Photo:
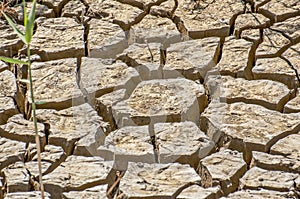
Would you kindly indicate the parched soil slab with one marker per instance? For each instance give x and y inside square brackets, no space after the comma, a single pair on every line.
[182,142]
[51,80]
[40,10]
[105,39]
[279,11]
[272,43]
[143,180]
[275,69]
[207,19]
[96,192]
[87,145]
[8,86]
[51,157]
[27,195]
[288,146]
[177,142]
[56,5]
[69,125]
[10,43]
[166,100]
[57,38]
[7,109]
[289,27]
[131,143]
[99,78]
[275,162]
[104,105]
[72,9]
[270,94]
[153,29]
[273,180]
[258,194]
[11,151]
[117,10]
[191,59]
[293,105]
[235,55]
[223,168]
[250,21]
[247,127]
[141,54]
[17,128]
[195,191]
[72,175]
[16,178]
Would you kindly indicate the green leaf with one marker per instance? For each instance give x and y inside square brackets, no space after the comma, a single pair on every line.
[13,61]
[25,13]
[30,23]
[14,27]
[26,81]
[40,102]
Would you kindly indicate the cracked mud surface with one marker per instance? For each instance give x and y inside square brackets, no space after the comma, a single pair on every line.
[154,99]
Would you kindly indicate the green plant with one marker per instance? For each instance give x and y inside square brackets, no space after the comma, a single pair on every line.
[26,38]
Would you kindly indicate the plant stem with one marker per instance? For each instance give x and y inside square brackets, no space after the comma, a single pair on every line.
[37,139]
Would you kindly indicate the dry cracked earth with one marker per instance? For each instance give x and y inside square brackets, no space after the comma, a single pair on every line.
[154,99]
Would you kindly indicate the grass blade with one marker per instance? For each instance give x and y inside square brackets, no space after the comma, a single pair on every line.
[13,61]
[30,23]
[25,13]
[14,27]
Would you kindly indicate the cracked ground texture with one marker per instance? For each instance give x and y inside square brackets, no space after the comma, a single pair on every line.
[186,99]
